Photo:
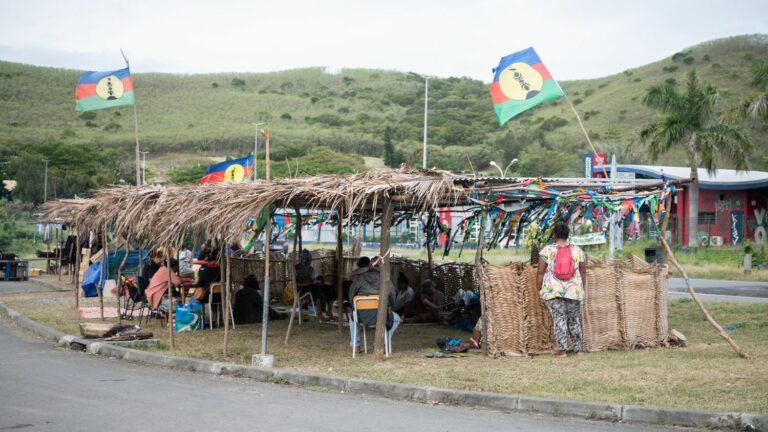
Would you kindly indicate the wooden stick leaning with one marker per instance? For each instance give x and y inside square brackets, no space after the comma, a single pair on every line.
[696,300]
[586,135]
[688,284]
[296,304]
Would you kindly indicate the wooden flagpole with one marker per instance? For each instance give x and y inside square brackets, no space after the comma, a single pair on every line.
[586,135]
[136,126]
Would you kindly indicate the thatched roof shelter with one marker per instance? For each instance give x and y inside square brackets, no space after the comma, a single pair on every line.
[165,214]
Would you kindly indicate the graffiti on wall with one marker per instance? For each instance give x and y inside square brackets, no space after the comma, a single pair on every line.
[760,234]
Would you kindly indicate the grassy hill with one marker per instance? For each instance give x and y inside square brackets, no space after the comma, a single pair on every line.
[206,115]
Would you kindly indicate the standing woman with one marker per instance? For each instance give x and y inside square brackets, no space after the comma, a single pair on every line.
[561,287]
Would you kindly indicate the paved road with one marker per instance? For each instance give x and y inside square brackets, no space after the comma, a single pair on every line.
[43,388]
[720,290]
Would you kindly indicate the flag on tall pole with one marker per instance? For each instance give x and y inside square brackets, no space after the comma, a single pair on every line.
[233,171]
[521,82]
[108,89]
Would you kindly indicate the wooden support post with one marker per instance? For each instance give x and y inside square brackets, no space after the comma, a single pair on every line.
[430,215]
[340,271]
[267,237]
[384,282]
[59,253]
[117,281]
[104,270]
[78,252]
[225,295]
[296,308]
[48,252]
[170,296]
[481,280]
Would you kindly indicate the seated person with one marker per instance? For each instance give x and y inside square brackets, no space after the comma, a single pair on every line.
[155,261]
[158,285]
[249,304]
[427,305]
[185,262]
[209,271]
[305,284]
[329,295]
[367,281]
[404,295]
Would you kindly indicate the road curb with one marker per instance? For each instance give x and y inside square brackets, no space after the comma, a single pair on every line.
[407,392]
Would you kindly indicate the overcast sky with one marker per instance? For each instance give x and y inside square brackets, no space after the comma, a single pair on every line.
[576,39]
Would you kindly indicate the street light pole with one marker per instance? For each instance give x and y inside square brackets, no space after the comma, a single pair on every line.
[144,167]
[503,172]
[426,109]
[45,188]
[255,149]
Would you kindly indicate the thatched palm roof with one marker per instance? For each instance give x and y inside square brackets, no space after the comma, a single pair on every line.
[165,214]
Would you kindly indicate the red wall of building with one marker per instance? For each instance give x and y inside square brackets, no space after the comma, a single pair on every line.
[722,203]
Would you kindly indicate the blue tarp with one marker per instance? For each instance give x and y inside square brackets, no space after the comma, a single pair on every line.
[91,280]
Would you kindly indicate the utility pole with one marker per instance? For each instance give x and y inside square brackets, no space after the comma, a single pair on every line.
[45,188]
[256,150]
[426,108]
[144,167]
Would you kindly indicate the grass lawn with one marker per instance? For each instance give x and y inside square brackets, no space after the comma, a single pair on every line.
[706,375]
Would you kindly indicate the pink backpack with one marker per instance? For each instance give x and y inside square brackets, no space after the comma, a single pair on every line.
[563,263]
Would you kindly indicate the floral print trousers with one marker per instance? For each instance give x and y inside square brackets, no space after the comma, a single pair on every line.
[566,318]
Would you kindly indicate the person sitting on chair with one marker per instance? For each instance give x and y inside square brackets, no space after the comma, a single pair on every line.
[305,284]
[405,294]
[366,280]
[158,285]
[249,304]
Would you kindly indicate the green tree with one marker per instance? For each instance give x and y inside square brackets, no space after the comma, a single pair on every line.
[753,106]
[688,120]
[389,148]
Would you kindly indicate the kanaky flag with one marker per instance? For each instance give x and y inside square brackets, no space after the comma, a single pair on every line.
[234,171]
[98,90]
[521,82]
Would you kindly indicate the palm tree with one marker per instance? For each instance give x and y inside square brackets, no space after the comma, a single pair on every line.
[753,106]
[688,119]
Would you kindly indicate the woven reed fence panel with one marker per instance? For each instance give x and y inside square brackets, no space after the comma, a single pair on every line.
[323,263]
[624,308]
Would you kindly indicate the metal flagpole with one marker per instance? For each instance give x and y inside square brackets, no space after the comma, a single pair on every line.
[136,126]
[426,107]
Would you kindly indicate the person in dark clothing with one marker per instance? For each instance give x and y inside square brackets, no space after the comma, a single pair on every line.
[149,270]
[305,284]
[249,304]
[329,295]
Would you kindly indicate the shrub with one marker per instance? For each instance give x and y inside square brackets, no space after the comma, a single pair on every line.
[670,82]
[215,85]
[88,115]
[706,57]
[286,116]
[669,68]
[112,127]
[577,101]
[238,83]
[688,60]
[589,92]
[91,124]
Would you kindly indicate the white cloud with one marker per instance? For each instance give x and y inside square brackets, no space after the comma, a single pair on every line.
[443,38]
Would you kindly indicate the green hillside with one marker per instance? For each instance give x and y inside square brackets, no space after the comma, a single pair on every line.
[207,115]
